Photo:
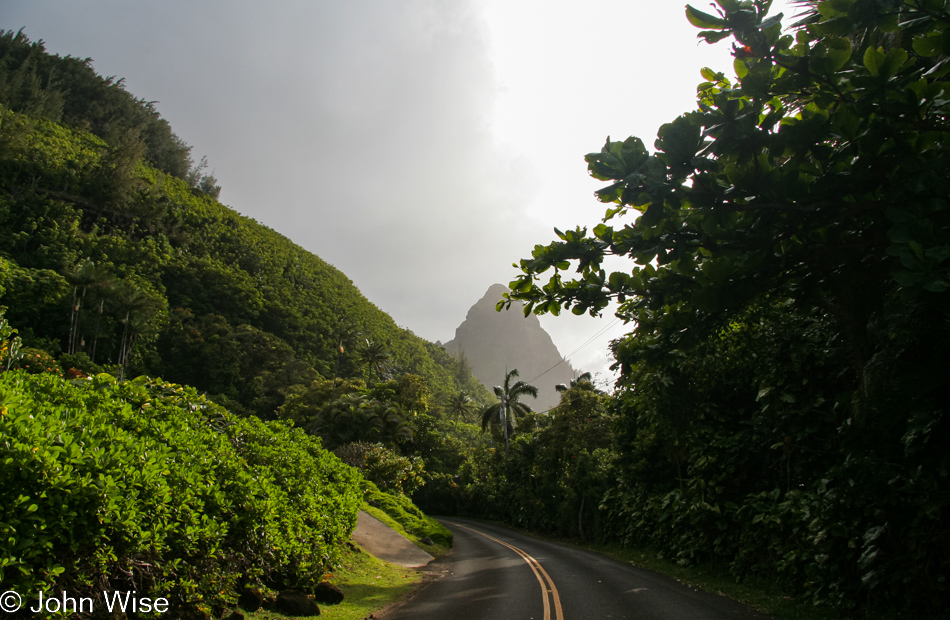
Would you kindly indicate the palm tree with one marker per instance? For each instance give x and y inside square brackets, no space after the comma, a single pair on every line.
[460,405]
[508,405]
[585,380]
[138,307]
[95,335]
[83,276]
[392,423]
[375,355]
[343,336]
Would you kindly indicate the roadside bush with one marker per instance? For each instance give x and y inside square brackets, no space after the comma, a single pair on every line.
[440,496]
[73,362]
[36,361]
[384,467]
[146,485]
[10,343]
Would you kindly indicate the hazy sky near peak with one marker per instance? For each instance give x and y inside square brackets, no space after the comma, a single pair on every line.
[420,146]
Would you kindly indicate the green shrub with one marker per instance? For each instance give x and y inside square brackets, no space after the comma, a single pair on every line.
[10,343]
[388,470]
[441,495]
[146,485]
[75,365]
[36,361]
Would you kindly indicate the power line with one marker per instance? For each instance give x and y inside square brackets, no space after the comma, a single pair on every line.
[586,343]
[594,337]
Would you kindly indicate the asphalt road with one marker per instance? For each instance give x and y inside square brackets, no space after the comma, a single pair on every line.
[497,574]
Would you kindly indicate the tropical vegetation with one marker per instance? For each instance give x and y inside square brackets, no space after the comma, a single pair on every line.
[509,406]
[145,485]
[781,408]
[118,265]
[115,258]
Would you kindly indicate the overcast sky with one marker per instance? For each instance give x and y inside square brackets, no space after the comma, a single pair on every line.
[420,146]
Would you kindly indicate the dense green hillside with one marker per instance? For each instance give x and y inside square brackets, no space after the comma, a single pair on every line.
[117,261]
[110,259]
[68,91]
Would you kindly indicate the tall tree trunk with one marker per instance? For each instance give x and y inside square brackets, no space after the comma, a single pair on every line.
[504,423]
[75,345]
[74,310]
[123,343]
[95,338]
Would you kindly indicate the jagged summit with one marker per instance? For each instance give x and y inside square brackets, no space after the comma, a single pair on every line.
[495,341]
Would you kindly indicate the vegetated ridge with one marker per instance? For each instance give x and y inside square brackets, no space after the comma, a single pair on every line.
[115,254]
[117,261]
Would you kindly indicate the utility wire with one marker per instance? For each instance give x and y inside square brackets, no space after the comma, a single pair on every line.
[586,343]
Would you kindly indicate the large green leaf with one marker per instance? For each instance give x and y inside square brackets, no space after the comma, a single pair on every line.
[704,20]
[775,20]
[830,55]
[929,45]
[884,64]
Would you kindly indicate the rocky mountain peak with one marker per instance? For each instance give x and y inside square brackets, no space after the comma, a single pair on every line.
[494,342]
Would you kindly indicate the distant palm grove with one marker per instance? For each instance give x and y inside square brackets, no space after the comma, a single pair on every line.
[781,412]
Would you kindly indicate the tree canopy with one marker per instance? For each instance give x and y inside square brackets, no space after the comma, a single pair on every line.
[67,90]
[820,174]
[789,243]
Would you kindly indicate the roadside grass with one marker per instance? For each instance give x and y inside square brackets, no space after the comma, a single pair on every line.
[759,594]
[368,585]
[399,513]
[433,550]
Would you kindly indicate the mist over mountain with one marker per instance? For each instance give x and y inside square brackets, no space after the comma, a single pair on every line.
[494,342]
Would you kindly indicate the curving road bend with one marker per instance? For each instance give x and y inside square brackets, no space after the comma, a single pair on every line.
[494,573]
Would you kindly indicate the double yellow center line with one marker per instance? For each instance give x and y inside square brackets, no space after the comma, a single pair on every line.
[548,589]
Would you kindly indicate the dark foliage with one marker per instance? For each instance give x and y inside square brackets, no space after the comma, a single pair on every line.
[782,407]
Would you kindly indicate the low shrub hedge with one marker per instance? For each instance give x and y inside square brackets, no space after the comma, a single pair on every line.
[145,485]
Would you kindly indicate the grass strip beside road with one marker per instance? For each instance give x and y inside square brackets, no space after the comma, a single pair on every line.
[762,595]
[401,514]
[368,585]
[433,550]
